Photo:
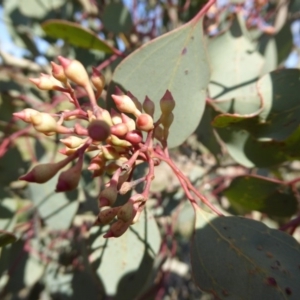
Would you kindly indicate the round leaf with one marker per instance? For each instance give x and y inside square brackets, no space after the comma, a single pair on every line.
[238,258]
[176,61]
[126,259]
[262,194]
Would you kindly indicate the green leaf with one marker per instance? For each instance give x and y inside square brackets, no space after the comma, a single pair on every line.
[75,35]
[6,238]
[130,257]
[280,95]
[284,42]
[176,61]
[117,18]
[238,54]
[56,209]
[250,152]
[238,258]
[261,194]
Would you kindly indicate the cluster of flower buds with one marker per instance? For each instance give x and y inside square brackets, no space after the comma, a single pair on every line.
[117,141]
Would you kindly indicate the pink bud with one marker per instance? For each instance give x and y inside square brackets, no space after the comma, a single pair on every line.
[97,163]
[149,106]
[78,129]
[44,172]
[73,141]
[125,104]
[128,211]
[119,129]
[104,115]
[108,196]
[25,114]
[98,130]
[115,141]
[134,137]
[115,116]
[167,103]
[144,122]
[69,179]
[43,122]
[117,229]
[128,122]
[45,82]
[58,72]
[137,103]
[106,215]
[75,71]
[98,81]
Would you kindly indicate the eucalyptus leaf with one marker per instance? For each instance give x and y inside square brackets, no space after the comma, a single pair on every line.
[176,61]
[76,35]
[123,263]
[239,258]
[261,194]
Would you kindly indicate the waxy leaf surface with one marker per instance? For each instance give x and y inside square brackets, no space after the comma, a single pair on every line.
[238,258]
[176,61]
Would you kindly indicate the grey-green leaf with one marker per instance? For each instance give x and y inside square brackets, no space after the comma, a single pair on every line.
[238,258]
[176,61]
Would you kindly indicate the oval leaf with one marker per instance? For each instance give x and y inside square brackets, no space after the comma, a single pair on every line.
[127,256]
[238,258]
[76,35]
[176,61]
[261,194]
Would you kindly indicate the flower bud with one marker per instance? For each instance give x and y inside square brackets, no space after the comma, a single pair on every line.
[149,106]
[69,179]
[108,196]
[117,229]
[75,71]
[159,133]
[73,141]
[134,137]
[119,129]
[167,120]
[110,153]
[167,103]
[115,116]
[125,104]
[58,72]
[115,141]
[130,123]
[45,82]
[25,114]
[104,115]
[43,122]
[137,103]
[98,130]
[97,162]
[144,122]
[78,129]
[98,81]
[44,172]
[106,215]
[128,211]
